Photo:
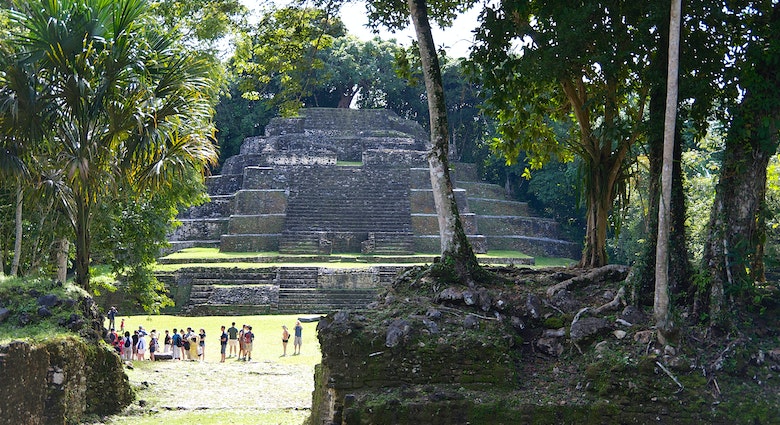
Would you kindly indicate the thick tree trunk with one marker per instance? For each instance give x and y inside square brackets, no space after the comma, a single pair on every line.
[18,231]
[661,308]
[603,165]
[734,248]
[455,248]
[595,252]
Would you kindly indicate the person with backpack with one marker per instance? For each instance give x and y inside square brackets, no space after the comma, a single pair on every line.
[153,344]
[113,339]
[249,338]
[176,342]
[127,347]
[140,348]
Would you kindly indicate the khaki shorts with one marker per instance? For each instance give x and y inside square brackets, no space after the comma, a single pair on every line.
[248,347]
[233,342]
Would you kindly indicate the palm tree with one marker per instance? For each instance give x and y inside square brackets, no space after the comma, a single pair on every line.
[21,132]
[125,102]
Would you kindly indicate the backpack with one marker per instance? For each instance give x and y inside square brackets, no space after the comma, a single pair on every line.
[186,344]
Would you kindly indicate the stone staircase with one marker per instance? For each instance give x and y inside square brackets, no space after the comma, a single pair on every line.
[275,290]
[340,208]
[506,224]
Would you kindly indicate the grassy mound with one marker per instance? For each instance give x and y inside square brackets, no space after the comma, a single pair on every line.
[38,309]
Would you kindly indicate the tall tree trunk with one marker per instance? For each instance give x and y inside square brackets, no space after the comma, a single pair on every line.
[733,252]
[661,310]
[18,230]
[62,248]
[82,243]
[455,248]
[680,269]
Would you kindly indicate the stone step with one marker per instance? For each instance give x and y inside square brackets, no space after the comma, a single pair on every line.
[230,310]
[224,184]
[200,229]
[232,275]
[483,190]
[538,247]
[219,206]
[519,226]
[211,282]
[499,207]
[265,242]
[462,171]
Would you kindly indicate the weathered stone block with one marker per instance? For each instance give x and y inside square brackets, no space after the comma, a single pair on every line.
[256,224]
[250,243]
[259,201]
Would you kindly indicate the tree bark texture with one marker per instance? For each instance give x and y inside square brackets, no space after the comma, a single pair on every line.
[62,248]
[733,252]
[455,247]
[83,218]
[680,269]
[661,309]
[17,230]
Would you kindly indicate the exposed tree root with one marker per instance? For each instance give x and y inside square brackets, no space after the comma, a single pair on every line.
[612,272]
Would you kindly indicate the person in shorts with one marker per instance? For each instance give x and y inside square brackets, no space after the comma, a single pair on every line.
[298,341]
[223,342]
[249,338]
[233,340]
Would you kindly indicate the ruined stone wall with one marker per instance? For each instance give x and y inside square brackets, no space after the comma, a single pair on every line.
[359,363]
[59,381]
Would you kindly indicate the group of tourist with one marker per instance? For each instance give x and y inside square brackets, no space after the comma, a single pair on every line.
[134,347]
[239,342]
[190,345]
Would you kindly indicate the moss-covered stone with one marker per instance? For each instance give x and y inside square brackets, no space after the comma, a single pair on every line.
[60,380]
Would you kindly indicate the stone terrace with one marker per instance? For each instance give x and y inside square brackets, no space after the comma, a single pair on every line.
[336,181]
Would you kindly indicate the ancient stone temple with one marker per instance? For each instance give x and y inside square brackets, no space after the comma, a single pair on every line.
[351,181]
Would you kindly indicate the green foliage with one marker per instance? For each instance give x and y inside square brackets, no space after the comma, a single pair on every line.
[277,60]
[130,232]
[204,21]
[559,86]
[102,128]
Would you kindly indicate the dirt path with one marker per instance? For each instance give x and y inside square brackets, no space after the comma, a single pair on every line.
[263,392]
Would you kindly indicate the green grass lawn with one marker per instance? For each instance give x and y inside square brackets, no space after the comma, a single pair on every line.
[193,255]
[269,390]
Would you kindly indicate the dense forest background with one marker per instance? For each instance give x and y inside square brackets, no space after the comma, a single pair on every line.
[111,112]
